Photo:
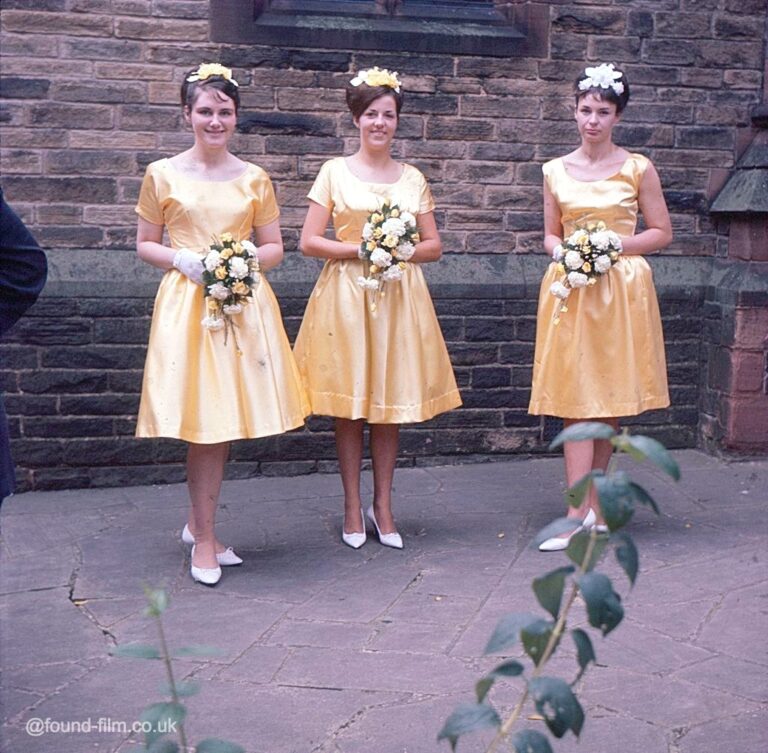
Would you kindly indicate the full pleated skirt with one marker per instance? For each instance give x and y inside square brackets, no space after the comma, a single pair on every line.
[386,366]
[605,357]
[198,388]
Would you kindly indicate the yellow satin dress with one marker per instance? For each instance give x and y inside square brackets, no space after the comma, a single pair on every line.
[196,387]
[386,366]
[605,358]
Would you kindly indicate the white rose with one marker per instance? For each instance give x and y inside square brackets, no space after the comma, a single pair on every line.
[381,258]
[367,283]
[615,240]
[250,248]
[405,251]
[367,231]
[577,280]
[212,260]
[212,323]
[559,290]
[238,267]
[235,308]
[573,260]
[558,253]
[602,264]
[600,240]
[408,220]
[578,237]
[219,291]
[394,226]
[393,274]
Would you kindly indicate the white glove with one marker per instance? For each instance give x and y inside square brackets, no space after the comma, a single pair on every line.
[189,264]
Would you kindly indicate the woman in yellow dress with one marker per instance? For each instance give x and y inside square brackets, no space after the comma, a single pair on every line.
[604,357]
[200,386]
[387,363]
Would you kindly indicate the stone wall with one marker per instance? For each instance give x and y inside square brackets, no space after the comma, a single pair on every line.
[90,92]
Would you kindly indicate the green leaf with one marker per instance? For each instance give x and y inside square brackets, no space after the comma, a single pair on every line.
[165,719]
[582,430]
[213,745]
[535,637]
[135,651]
[656,453]
[627,556]
[196,651]
[183,689]
[468,717]
[507,631]
[549,589]
[584,651]
[616,499]
[641,495]
[574,495]
[577,549]
[530,741]
[509,668]
[482,687]
[603,603]
[558,705]
[163,745]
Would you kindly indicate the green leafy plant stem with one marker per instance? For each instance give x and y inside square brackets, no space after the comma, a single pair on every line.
[554,638]
[171,681]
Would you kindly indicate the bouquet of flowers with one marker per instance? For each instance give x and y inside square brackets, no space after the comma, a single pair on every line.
[230,274]
[389,240]
[586,254]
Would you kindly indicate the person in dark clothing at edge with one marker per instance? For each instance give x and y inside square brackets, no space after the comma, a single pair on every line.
[23,270]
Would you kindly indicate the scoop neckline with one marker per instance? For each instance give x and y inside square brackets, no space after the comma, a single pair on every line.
[597,180]
[203,180]
[373,182]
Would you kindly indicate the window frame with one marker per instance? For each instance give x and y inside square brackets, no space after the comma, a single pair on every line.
[367,25]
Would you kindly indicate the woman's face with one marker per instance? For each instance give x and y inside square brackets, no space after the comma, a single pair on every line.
[377,125]
[595,119]
[213,118]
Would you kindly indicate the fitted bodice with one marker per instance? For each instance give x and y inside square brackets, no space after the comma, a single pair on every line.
[612,200]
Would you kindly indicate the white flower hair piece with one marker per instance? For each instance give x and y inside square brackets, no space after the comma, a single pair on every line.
[604,76]
[378,77]
[206,70]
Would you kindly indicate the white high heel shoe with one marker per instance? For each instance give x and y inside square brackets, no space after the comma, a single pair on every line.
[394,540]
[208,576]
[354,539]
[558,543]
[227,558]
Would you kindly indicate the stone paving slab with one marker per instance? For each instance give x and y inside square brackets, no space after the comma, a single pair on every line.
[328,650]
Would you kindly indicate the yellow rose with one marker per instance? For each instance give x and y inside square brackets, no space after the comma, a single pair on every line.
[395,213]
[401,264]
[378,232]
[373,269]
[226,253]
[614,255]
[586,267]
[376,218]
[390,241]
[371,246]
[226,238]
[220,273]
[239,288]
[237,249]
[561,269]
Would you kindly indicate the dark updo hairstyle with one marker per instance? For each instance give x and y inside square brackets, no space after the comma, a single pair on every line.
[191,89]
[605,93]
[360,97]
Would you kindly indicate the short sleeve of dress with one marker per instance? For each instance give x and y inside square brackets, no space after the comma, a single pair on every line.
[265,209]
[426,200]
[639,166]
[321,188]
[548,168]
[149,206]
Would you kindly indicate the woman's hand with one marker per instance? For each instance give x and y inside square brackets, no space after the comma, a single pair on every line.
[189,264]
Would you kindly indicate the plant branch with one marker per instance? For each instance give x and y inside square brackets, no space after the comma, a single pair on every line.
[171,681]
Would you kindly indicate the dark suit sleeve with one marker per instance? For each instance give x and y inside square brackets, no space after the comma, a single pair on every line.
[23,267]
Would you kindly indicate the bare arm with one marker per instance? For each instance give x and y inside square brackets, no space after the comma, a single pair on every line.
[313,241]
[429,248]
[553,226]
[149,245]
[658,232]
[269,242]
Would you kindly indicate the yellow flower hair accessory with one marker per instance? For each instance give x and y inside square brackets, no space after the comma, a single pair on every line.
[206,70]
[377,77]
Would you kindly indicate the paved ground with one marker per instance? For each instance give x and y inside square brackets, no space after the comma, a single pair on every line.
[330,650]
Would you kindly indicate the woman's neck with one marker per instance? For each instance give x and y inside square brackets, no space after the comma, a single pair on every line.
[378,159]
[595,154]
[209,158]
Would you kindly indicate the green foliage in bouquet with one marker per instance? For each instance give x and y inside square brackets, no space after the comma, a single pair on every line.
[166,717]
[556,591]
